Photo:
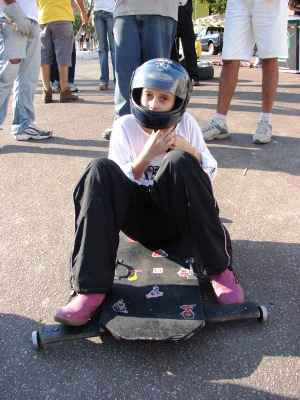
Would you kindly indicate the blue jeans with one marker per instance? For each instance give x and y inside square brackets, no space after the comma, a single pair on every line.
[138,38]
[23,75]
[103,22]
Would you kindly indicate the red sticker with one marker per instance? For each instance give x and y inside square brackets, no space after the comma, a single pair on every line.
[159,254]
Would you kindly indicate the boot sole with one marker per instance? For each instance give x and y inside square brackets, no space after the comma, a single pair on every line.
[68,322]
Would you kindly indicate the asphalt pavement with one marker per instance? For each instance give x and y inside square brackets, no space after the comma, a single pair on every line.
[258,192]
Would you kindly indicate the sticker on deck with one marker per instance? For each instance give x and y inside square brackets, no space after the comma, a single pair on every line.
[159,254]
[188,312]
[154,293]
[183,272]
[120,306]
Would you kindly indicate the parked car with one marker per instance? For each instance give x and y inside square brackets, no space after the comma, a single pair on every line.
[211,39]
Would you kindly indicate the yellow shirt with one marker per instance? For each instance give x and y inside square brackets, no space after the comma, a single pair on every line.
[55,10]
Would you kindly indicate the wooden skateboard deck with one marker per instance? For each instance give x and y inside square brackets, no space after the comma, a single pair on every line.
[155,296]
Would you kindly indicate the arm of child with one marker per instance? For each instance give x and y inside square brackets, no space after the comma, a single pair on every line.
[189,130]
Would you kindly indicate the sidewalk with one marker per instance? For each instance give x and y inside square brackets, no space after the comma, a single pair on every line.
[258,191]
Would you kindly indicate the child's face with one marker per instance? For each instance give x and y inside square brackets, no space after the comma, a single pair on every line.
[157,100]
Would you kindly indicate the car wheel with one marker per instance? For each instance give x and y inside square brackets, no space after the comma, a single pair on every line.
[205,71]
[212,49]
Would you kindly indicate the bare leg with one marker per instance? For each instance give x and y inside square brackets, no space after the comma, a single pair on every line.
[269,83]
[227,85]
[45,70]
[63,77]
[270,74]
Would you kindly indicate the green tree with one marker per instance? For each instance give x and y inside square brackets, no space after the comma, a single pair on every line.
[88,5]
[215,6]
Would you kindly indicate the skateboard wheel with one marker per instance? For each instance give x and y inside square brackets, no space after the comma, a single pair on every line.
[36,340]
[263,314]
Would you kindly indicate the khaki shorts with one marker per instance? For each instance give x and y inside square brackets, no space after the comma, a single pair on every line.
[250,22]
[57,37]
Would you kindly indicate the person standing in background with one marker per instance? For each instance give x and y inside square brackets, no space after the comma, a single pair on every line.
[186,34]
[262,22]
[87,42]
[57,35]
[54,75]
[20,55]
[103,23]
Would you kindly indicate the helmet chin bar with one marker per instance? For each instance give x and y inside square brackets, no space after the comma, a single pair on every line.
[154,119]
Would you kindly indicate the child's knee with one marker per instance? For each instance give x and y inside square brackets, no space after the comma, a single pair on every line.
[179,158]
[98,163]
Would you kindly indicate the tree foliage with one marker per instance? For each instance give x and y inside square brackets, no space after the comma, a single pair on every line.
[88,5]
[215,6]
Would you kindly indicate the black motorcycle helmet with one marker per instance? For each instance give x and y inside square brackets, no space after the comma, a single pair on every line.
[163,74]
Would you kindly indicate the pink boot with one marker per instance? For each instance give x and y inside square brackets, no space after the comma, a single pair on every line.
[80,309]
[227,288]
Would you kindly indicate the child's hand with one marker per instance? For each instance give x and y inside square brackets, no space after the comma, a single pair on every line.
[159,142]
[180,143]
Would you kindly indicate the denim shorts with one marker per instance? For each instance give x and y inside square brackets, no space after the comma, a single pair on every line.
[57,37]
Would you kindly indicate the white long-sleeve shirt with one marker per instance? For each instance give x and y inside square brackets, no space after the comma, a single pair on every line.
[128,139]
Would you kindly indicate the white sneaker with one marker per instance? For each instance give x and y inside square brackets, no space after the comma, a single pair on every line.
[33,132]
[263,133]
[73,87]
[55,86]
[214,130]
[107,133]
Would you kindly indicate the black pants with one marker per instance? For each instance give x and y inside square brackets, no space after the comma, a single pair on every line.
[179,204]
[185,32]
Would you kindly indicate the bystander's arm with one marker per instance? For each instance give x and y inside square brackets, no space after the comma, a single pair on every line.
[293,6]
[84,17]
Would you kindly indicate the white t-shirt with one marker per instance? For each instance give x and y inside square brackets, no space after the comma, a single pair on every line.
[28,6]
[104,5]
[128,139]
